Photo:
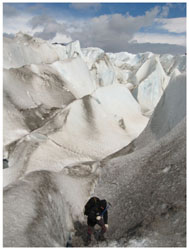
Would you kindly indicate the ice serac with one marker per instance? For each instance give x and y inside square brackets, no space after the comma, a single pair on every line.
[117,101]
[170,63]
[169,112]
[76,75]
[73,49]
[91,55]
[24,50]
[152,81]
[126,65]
[100,66]
[128,60]
[105,71]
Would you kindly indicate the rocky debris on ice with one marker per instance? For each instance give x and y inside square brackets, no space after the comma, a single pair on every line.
[150,182]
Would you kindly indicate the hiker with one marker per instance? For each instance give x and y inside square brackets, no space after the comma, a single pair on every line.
[97,213]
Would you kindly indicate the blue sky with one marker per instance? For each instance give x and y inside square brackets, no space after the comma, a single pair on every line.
[112,26]
[135,9]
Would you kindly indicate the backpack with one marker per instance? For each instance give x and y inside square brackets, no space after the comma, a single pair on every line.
[93,202]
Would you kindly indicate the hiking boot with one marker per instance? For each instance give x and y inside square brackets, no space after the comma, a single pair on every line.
[88,240]
[101,237]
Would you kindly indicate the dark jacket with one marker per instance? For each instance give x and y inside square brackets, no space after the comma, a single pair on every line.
[94,208]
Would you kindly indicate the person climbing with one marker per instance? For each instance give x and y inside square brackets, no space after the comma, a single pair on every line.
[97,213]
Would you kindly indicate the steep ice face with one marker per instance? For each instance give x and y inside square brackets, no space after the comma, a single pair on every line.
[34,85]
[14,126]
[125,59]
[76,76]
[19,52]
[152,81]
[169,112]
[101,68]
[170,63]
[73,49]
[105,71]
[126,66]
[117,101]
[91,55]
[171,109]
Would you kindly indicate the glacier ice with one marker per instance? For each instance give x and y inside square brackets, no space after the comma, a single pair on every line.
[71,115]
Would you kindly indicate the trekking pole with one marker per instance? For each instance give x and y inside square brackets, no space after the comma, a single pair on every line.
[109,205]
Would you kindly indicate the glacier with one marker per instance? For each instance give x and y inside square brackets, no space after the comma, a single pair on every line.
[78,122]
